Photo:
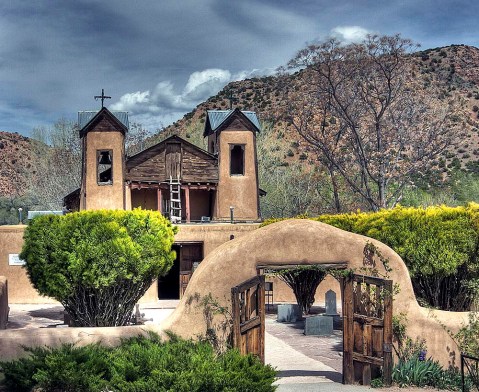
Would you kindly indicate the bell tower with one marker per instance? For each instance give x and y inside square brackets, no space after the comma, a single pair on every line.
[102,137]
[232,137]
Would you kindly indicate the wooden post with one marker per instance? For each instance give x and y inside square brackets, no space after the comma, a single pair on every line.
[388,333]
[261,310]
[348,325]
[187,202]
[160,200]
[235,311]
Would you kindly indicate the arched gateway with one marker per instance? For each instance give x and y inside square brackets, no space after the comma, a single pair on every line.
[306,242]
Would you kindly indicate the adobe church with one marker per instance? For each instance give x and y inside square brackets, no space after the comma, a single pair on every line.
[193,187]
[174,177]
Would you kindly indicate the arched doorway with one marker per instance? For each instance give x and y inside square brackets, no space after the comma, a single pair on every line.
[303,241]
[367,325]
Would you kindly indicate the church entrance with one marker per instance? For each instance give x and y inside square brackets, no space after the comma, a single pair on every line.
[174,283]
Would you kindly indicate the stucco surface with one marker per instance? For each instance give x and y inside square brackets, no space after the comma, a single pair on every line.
[13,340]
[19,286]
[304,242]
[239,191]
[103,196]
[22,292]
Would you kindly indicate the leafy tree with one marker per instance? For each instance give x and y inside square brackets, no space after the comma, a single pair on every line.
[98,264]
[9,206]
[303,280]
[386,127]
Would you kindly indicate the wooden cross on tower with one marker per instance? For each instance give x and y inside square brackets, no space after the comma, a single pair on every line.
[102,97]
[231,99]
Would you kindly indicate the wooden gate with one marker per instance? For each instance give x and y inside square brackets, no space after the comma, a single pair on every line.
[248,316]
[367,329]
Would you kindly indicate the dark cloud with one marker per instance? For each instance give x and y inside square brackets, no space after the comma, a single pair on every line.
[160,59]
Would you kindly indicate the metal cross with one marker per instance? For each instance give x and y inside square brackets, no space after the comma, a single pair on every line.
[231,99]
[102,97]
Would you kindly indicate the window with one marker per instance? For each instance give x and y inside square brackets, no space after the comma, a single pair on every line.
[237,159]
[104,172]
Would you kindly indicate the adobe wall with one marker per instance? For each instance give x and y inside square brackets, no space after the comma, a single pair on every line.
[230,262]
[14,339]
[21,291]
[4,309]
[305,242]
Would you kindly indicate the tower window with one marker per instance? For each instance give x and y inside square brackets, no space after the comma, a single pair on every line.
[104,173]
[237,159]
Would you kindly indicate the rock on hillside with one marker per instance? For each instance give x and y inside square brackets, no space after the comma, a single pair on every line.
[17,163]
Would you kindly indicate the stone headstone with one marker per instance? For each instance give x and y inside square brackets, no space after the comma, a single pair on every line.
[288,313]
[318,325]
[330,301]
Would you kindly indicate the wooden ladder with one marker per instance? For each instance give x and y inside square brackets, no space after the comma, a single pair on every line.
[175,200]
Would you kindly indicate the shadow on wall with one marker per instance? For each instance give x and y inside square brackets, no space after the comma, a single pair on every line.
[299,241]
[4,309]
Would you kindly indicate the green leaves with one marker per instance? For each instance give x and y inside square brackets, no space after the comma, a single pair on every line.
[138,364]
[100,256]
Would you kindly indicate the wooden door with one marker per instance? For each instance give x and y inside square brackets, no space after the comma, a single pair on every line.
[248,316]
[367,329]
[173,160]
[190,256]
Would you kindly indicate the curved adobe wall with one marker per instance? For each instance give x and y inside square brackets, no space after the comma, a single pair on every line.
[300,242]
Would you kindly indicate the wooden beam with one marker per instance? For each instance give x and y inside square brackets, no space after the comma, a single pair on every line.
[348,331]
[160,200]
[275,267]
[187,202]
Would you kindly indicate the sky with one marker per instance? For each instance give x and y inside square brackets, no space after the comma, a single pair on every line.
[159,59]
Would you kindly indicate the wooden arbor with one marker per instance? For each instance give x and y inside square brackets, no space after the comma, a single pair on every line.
[367,325]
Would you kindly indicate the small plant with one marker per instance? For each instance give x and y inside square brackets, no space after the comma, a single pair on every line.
[417,371]
[218,330]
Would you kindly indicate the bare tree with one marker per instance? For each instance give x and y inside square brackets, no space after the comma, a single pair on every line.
[361,109]
[58,163]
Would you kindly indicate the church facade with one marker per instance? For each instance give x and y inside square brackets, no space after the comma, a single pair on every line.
[178,179]
[202,190]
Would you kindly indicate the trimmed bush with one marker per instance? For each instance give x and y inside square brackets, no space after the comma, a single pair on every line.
[138,364]
[98,264]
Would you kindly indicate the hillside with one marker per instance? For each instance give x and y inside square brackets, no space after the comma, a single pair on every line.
[448,71]
[17,163]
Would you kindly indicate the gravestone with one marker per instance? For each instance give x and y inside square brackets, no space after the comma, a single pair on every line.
[288,313]
[318,325]
[330,301]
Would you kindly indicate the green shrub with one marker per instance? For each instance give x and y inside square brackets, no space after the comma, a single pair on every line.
[138,364]
[439,246]
[98,264]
